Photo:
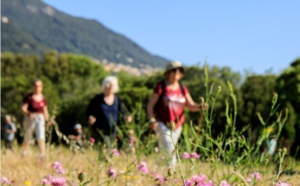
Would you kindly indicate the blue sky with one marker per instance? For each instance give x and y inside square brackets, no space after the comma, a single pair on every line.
[255,36]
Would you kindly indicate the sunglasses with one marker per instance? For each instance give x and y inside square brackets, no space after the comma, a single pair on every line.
[176,69]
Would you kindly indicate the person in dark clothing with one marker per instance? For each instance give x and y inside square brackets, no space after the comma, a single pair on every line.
[9,132]
[104,110]
[77,135]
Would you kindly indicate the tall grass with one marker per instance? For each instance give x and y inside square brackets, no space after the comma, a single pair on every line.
[230,157]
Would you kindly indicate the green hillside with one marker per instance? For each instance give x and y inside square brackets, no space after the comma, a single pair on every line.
[35,27]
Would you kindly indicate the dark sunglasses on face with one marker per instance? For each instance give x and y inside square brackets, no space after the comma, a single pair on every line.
[175,69]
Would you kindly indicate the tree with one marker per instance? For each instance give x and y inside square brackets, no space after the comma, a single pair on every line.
[288,88]
[257,93]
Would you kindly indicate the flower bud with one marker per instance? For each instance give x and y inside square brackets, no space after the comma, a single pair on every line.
[267,160]
[279,150]
[219,89]
[284,150]
[170,172]
[81,176]
[172,125]
[202,101]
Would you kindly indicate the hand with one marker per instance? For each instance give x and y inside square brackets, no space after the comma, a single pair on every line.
[71,137]
[128,118]
[48,123]
[153,125]
[205,106]
[30,115]
[92,120]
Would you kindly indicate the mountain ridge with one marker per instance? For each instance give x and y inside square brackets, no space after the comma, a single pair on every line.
[48,28]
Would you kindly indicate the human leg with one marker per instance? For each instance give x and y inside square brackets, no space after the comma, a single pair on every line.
[28,127]
[40,133]
[8,144]
[109,140]
[167,141]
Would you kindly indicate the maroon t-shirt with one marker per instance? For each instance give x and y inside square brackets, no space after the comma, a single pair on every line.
[33,105]
[171,106]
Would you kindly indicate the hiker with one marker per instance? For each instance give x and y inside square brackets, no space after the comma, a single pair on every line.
[166,106]
[270,148]
[104,110]
[36,116]
[9,132]
[77,135]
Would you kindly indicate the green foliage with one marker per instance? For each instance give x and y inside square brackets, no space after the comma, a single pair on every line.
[70,81]
[199,86]
[288,88]
[257,92]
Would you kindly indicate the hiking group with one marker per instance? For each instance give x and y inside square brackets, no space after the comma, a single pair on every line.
[165,111]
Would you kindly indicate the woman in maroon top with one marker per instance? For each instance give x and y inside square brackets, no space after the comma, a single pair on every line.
[36,116]
[166,105]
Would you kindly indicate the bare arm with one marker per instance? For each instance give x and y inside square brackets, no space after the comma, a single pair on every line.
[194,107]
[10,131]
[153,100]
[46,114]
[25,109]
[75,137]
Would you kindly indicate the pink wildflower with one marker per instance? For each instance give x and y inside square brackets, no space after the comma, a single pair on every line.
[224,183]
[45,181]
[92,140]
[142,167]
[188,183]
[177,180]
[256,175]
[159,177]
[115,152]
[56,165]
[249,180]
[49,177]
[199,179]
[112,173]
[209,183]
[60,170]
[282,184]
[195,155]
[58,181]
[185,155]
[5,180]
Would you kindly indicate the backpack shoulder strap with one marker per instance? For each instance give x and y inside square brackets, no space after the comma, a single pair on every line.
[163,86]
[182,89]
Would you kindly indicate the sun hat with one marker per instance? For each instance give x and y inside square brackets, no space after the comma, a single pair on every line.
[77,126]
[172,65]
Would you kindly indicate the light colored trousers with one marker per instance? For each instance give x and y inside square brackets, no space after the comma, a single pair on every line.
[165,142]
[35,124]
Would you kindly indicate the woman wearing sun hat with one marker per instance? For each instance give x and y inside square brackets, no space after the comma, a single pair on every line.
[166,106]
